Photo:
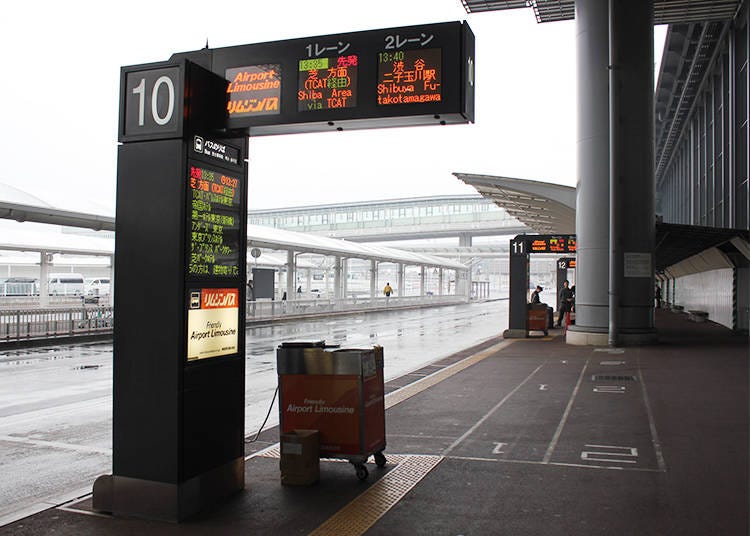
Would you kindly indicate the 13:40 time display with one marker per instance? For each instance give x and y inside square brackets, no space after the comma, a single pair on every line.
[387,57]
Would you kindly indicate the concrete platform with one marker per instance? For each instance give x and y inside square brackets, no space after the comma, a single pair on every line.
[529,436]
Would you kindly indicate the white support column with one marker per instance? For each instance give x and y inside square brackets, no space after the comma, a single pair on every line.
[290,274]
[345,278]
[111,280]
[440,281]
[44,261]
[325,276]
[337,269]
[401,288]
[308,278]
[421,281]
[373,280]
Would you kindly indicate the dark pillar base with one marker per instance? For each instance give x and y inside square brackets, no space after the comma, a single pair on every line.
[515,334]
[160,501]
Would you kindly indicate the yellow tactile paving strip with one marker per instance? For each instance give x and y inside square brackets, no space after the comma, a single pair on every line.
[362,513]
[417,387]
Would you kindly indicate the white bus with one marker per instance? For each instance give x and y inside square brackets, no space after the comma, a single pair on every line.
[65,284]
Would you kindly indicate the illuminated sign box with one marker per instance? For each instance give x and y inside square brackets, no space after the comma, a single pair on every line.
[413,75]
[524,244]
[213,322]
[254,90]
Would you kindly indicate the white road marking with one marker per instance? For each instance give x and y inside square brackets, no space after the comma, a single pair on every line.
[497,448]
[619,389]
[490,412]
[561,425]
[610,454]
[651,423]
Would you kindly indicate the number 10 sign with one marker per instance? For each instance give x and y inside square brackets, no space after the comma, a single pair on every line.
[157,101]
[151,105]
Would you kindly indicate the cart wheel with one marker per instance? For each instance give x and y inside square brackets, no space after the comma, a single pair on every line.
[379,459]
[362,472]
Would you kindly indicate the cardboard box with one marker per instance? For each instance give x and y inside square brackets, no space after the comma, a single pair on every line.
[300,458]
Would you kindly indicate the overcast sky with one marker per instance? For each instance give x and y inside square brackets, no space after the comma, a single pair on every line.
[59,99]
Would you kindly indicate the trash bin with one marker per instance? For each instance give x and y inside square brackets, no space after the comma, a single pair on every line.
[339,392]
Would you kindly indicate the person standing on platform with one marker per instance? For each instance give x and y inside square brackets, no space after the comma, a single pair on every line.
[657,297]
[566,301]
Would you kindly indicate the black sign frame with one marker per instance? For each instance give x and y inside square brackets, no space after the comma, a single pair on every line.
[455,39]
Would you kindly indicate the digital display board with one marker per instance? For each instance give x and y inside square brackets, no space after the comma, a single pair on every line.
[525,244]
[254,90]
[214,201]
[392,77]
[409,76]
[327,83]
[552,244]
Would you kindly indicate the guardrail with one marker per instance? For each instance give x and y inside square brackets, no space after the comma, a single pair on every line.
[274,310]
[27,324]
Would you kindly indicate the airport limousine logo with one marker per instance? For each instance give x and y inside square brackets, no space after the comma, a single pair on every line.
[213,322]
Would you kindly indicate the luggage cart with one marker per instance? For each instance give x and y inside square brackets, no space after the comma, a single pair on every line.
[339,392]
[538,319]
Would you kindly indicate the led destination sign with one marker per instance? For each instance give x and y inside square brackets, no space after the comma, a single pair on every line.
[525,244]
[214,223]
[552,244]
[326,83]
[409,76]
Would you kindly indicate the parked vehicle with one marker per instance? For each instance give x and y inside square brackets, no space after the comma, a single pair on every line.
[97,287]
[66,284]
[19,286]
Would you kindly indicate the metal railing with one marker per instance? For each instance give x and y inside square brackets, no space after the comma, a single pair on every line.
[26,324]
[29,324]
[274,310]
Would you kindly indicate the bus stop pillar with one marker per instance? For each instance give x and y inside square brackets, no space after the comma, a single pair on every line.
[519,287]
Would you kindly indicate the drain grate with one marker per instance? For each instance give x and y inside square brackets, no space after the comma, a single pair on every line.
[610,378]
